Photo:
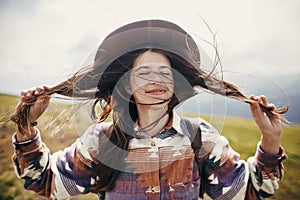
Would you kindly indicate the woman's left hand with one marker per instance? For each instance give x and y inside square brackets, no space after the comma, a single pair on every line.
[270,128]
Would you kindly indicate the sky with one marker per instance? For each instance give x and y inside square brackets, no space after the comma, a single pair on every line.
[43,42]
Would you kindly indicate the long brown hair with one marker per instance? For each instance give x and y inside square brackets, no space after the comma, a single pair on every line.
[100,83]
[103,92]
[103,95]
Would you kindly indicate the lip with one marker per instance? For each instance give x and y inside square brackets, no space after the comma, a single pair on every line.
[156,91]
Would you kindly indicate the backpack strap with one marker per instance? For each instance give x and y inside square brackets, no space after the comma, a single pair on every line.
[193,127]
[101,194]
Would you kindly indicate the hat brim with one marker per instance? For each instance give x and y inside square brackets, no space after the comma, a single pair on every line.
[155,34]
[158,34]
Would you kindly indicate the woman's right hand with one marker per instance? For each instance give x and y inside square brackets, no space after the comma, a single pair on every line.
[36,110]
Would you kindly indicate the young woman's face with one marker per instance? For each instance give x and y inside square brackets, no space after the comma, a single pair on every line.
[151,78]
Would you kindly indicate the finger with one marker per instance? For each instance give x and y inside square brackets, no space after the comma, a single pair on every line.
[43,98]
[258,99]
[27,94]
[38,90]
[255,109]
[46,87]
[271,106]
[39,106]
[254,98]
[254,106]
[46,100]
[24,93]
[35,91]
[264,99]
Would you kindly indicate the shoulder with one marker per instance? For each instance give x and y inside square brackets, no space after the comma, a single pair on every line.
[95,130]
[208,132]
[205,138]
[94,133]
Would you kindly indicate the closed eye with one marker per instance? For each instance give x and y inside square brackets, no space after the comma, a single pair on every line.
[143,73]
[165,73]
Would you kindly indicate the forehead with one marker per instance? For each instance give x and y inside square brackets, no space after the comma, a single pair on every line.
[151,58]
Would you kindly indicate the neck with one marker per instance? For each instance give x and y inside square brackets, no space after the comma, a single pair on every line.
[148,116]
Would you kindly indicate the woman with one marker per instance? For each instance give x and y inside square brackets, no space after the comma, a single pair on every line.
[140,73]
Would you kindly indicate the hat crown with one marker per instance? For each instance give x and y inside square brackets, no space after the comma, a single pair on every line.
[160,34]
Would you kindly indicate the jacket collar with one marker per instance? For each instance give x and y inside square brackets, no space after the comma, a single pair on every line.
[175,123]
[178,124]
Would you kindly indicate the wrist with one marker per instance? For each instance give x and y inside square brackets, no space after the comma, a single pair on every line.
[25,133]
[270,144]
[268,159]
[27,146]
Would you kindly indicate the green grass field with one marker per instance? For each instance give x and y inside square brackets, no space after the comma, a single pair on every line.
[242,134]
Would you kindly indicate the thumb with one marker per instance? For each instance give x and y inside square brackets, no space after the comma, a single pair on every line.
[39,107]
[257,113]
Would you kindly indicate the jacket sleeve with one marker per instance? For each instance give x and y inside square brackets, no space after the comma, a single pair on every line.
[225,176]
[60,175]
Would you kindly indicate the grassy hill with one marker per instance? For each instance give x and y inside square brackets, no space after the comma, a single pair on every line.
[242,134]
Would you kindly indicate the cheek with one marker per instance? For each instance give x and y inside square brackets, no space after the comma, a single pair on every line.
[170,85]
[171,91]
[135,84]
[137,81]
[139,95]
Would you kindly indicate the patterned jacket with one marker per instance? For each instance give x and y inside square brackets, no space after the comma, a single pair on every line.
[163,167]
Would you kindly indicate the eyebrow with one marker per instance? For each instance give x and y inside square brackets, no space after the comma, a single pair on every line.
[147,67]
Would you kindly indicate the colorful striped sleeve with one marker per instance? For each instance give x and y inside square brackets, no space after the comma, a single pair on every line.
[226,176]
[60,175]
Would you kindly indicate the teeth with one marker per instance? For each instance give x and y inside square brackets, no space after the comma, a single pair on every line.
[156,91]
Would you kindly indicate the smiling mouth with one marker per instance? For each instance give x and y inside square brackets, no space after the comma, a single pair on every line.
[156,91]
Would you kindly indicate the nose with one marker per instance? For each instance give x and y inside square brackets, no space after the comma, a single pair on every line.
[155,78]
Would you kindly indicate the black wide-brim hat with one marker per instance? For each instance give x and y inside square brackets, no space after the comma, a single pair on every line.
[154,33]
[159,34]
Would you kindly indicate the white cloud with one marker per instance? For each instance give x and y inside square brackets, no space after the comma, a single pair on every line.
[268,44]
[43,41]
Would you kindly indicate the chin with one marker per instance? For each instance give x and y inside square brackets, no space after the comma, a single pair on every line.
[157,102]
